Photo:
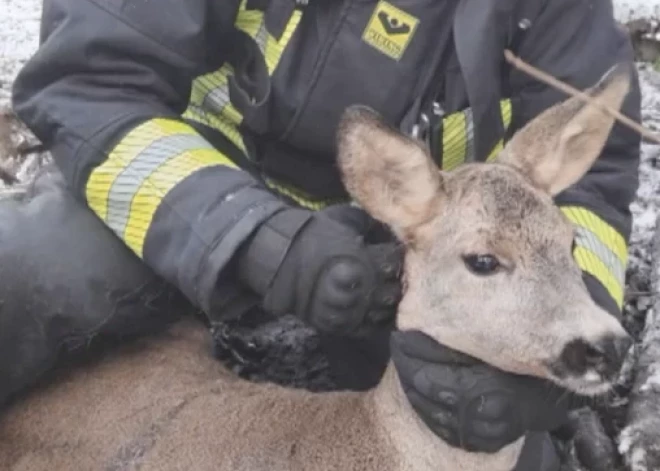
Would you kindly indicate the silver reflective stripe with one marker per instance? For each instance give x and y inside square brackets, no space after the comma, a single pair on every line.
[469,136]
[587,239]
[262,37]
[217,97]
[129,181]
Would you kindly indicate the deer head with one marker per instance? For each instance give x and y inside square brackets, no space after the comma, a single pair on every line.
[489,269]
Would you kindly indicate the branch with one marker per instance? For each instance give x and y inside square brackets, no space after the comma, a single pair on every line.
[571,91]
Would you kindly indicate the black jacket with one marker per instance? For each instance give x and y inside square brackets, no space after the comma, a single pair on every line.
[173,120]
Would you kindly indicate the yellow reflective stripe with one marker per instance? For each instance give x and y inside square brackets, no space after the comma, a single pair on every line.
[209,98]
[99,184]
[496,150]
[453,140]
[458,136]
[274,49]
[507,113]
[253,23]
[249,21]
[212,90]
[469,135]
[299,197]
[603,243]
[209,105]
[590,263]
[228,129]
[126,189]
[609,236]
[101,179]
[156,185]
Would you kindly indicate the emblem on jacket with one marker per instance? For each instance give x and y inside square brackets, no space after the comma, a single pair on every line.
[390,29]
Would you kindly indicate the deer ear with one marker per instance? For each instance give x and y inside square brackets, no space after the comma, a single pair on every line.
[390,175]
[560,145]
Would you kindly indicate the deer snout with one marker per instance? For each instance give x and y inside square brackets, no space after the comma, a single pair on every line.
[595,361]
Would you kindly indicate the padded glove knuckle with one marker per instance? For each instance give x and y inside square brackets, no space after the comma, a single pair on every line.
[491,406]
[322,270]
[341,286]
[448,398]
[346,274]
[498,432]
[485,408]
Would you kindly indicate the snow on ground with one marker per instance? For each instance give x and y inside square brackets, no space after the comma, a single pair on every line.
[19,37]
[645,208]
[626,10]
[638,442]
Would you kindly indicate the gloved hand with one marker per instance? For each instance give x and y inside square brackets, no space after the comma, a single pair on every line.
[470,404]
[323,267]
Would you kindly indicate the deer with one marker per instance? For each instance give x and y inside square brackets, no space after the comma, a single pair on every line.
[162,403]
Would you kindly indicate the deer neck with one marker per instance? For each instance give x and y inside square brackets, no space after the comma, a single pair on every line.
[416,446]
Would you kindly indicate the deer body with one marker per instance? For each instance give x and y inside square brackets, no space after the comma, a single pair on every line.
[164,404]
[488,271]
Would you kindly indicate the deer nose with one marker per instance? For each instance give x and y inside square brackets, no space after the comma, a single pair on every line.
[605,356]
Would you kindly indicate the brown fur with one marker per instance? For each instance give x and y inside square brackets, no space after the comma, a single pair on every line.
[561,133]
[163,404]
[522,318]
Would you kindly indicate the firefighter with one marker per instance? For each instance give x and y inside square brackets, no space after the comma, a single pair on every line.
[200,136]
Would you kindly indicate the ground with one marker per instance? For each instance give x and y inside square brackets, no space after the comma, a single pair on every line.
[626,10]
[294,346]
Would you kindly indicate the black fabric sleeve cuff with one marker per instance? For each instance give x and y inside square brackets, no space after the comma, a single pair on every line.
[200,225]
[264,254]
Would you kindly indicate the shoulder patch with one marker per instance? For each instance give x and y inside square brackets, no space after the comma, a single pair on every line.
[390,29]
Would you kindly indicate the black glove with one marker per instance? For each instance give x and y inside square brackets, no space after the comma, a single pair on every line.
[322,267]
[470,404]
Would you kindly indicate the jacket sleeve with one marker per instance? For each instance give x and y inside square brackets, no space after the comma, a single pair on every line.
[577,41]
[105,92]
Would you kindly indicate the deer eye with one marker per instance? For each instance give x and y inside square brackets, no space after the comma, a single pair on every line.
[481,264]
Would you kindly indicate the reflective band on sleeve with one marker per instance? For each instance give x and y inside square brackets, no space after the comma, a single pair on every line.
[301,198]
[587,239]
[458,136]
[507,113]
[209,105]
[469,136]
[600,250]
[126,190]
[590,263]
[209,100]
[147,161]
[254,24]
[453,141]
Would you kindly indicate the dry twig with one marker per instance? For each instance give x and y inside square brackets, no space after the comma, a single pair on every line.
[558,84]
